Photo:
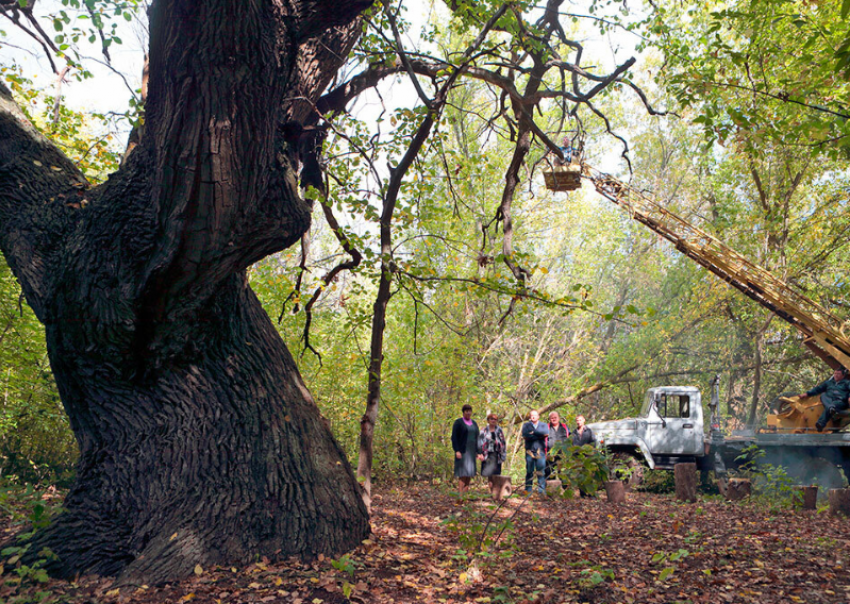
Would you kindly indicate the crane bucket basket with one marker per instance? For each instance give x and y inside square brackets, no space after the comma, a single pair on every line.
[563,178]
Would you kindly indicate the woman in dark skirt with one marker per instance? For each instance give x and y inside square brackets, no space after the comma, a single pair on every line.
[491,448]
[465,445]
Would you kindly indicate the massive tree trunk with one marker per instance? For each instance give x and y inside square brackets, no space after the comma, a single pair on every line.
[199,443]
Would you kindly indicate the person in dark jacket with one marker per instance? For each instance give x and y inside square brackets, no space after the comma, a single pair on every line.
[465,446]
[583,435]
[534,433]
[833,394]
[559,436]
[492,449]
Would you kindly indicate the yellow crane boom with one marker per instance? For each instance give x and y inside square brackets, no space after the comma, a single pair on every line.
[823,332]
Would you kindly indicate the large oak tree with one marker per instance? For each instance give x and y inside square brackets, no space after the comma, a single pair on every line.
[199,443]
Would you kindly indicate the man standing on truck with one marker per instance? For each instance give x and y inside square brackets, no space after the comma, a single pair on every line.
[833,394]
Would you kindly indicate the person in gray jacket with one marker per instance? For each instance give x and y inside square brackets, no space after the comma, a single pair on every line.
[583,435]
[559,437]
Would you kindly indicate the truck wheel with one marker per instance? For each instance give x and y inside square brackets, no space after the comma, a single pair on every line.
[818,470]
[627,468]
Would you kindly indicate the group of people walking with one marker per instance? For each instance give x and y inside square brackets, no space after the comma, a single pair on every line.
[543,446]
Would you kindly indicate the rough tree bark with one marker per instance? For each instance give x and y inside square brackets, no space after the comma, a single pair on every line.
[199,443]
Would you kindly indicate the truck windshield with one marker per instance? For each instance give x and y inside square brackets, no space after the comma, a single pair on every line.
[669,405]
[644,411]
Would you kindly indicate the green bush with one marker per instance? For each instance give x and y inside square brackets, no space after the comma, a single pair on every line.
[585,468]
[657,481]
[36,442]
[771,484]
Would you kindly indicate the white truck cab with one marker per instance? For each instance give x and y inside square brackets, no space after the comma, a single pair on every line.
[668,431]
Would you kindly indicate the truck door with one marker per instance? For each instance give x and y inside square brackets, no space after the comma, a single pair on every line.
[672,431]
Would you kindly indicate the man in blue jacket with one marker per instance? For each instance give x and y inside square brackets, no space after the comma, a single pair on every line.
[833,394]
[535,433]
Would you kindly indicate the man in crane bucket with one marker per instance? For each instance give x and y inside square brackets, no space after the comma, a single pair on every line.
[833,394]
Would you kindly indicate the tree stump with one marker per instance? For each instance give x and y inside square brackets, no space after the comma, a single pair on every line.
[500,487]
[809,497]
[738,489]
[722,485]
[686,482]
[839,502]
[553,487]
[615,491]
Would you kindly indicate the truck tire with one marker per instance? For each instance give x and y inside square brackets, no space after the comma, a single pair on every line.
[627,468]
[817,470]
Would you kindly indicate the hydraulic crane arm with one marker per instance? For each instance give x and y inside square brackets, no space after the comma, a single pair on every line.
[822,331]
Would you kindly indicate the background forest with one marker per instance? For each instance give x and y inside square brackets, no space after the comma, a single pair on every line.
[734,117]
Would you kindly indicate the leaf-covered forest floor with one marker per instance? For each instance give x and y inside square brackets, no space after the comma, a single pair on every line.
[649,550]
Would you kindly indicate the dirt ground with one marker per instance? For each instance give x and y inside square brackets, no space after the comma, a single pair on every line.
[427,546]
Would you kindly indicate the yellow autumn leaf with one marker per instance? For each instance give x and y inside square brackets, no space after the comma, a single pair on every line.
[199,570]
[113,592]
[462,578]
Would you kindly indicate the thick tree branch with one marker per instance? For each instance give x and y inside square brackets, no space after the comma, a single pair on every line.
[41,192]
[314,75]
[316,17]
[224,188]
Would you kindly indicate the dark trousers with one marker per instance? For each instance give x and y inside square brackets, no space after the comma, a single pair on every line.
[535,465]
[828,412]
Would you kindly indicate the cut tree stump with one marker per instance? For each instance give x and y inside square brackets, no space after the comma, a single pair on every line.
[553,487]
[738,489]
[615,491]
[686,482]
[809,497]
[839,502]
[500,487]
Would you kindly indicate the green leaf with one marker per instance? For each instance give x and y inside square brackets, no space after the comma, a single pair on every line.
[665,574]
[845,9]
